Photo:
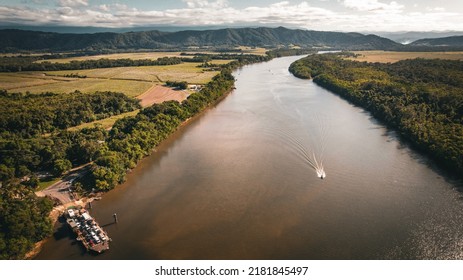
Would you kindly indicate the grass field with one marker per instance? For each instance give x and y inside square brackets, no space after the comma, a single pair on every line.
[391,57]
[250,50]
[130,88]
[188,72]
[132,81]
[105,123]
[12,81]
[46,182]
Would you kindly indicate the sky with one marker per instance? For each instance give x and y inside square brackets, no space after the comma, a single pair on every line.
[323,15]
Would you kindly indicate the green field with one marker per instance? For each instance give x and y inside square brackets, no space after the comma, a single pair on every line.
[105,123]
[132,81]
[46,182]
[130,88]
[155,74]
[13,81]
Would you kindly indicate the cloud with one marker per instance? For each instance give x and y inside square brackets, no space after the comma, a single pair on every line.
[372,5]
[192,4]
[283,12]
[361,15]
[435,9]
[72,3]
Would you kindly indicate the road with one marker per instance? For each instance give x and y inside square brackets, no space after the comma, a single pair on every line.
[60,190]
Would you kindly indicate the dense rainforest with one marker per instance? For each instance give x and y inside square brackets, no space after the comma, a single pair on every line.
[27,115]
[23,220]
[422,99]
[25,151]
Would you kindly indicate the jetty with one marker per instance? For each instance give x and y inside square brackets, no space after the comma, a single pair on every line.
[88,232]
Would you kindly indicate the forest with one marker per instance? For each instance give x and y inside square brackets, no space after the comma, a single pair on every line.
[422,99]
[29,63]
[27,115]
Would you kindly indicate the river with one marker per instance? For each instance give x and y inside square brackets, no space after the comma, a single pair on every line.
[233,184]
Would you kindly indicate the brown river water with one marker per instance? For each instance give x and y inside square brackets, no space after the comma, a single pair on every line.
[235,184]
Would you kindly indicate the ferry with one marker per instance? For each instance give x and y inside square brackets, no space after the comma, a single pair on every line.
[92,236]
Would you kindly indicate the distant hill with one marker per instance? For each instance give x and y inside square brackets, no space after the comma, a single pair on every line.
[17,40]
[92,29]
[409,37]
[451,42]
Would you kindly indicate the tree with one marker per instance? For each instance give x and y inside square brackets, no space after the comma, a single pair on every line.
[60,166]
[6,173]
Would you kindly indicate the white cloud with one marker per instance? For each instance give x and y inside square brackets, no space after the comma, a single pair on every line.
[72,3]
[435,9]
[64,10]
[206,4]
[283,12]
[382,16]
[372,5]
[104,8]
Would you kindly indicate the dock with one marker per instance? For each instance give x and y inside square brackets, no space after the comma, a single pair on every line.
[88,232]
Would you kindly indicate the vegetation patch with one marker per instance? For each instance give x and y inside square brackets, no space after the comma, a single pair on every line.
[23,221]
[35,114]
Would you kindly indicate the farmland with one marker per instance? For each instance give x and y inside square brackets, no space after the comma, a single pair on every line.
[391,57]
[156,74]
[132,81]
[143,82]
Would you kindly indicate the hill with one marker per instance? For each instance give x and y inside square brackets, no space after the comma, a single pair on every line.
[21,40]
[451,42]
[409,37]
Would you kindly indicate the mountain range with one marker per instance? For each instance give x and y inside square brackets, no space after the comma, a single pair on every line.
[14,40]
[22,40]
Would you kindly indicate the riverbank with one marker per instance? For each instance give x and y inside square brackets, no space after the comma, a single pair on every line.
[219,82]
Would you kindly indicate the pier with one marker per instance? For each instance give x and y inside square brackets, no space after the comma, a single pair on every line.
[92,236]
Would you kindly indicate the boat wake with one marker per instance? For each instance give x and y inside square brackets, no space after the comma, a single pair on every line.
[307,139]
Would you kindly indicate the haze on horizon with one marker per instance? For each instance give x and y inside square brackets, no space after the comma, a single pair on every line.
[323,15]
